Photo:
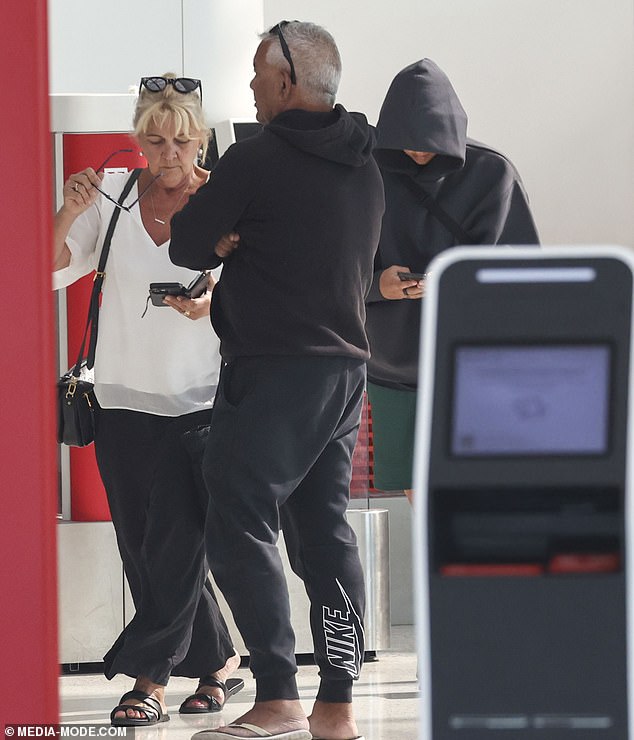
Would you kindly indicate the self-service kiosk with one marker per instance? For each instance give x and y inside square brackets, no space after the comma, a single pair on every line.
[523,511]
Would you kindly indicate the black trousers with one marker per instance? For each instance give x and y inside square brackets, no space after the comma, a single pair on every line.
[279,451]
[158,509]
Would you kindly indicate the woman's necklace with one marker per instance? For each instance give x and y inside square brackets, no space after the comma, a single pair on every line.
[167,218]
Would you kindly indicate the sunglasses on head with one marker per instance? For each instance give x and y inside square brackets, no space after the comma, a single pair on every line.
[285,50]
[180,84]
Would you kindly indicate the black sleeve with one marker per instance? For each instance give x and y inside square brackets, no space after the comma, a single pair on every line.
[212,212]
[519,226]
[503,215]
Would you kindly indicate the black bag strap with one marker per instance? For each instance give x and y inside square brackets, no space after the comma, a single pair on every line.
[92,322]
[452,226]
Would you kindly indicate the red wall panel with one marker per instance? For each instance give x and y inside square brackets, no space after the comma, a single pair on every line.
[28,474]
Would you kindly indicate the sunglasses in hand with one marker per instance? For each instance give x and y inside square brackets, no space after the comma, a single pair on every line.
[127,208]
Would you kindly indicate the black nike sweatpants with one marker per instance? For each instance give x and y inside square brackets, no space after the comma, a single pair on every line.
[279,452]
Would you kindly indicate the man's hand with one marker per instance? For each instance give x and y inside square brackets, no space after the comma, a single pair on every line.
[227,244]
[394,289]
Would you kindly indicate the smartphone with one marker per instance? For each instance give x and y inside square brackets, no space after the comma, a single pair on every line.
[195,289]
[412,275]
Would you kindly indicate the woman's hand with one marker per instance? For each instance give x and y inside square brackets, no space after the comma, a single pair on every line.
[192,308]
[79,194]
[394,289]
[79,191]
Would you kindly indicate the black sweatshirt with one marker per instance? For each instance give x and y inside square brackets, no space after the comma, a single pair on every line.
[475,184]
[306,198]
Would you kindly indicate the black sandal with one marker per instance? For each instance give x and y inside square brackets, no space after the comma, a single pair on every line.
[231,687]
[150,707]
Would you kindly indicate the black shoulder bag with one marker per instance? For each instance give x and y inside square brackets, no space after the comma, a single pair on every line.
[75,389]
[452,226]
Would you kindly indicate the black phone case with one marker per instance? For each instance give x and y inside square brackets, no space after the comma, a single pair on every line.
[158,291]
[198,286]
[195,289]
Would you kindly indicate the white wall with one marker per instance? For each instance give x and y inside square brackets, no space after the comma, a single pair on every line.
[106,47]
[549,82]
[219,39]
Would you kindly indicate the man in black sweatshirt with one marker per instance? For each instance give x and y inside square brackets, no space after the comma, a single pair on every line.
[305,199]
[441,189]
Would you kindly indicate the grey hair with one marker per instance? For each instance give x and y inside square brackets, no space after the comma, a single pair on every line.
[315,58]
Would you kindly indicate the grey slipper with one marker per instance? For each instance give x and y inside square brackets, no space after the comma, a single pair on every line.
[257,732]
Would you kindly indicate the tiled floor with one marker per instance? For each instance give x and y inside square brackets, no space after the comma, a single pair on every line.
[386,697]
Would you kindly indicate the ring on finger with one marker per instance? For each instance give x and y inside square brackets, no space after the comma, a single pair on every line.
[405,293]
[187,313]
[76,187]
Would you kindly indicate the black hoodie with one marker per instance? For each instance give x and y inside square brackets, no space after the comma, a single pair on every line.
[475,184]
[306,198]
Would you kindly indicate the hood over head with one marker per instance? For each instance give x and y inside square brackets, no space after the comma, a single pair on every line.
[421,112]
[337,135]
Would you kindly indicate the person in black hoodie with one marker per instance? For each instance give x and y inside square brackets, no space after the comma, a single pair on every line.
[302,202]
[442,189]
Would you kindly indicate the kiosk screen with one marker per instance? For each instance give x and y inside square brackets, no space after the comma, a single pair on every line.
[530,400]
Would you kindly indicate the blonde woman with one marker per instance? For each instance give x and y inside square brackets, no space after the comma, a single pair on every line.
[155,379]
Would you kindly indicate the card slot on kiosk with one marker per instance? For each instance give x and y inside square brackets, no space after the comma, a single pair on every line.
[523,503]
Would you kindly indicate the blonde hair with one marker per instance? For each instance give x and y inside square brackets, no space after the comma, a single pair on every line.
[182,111]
